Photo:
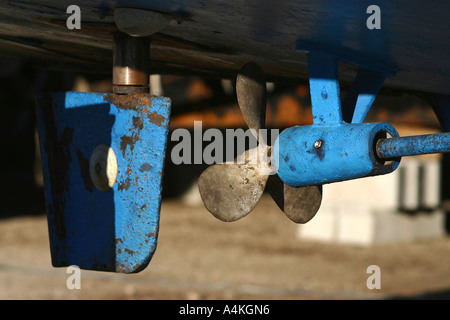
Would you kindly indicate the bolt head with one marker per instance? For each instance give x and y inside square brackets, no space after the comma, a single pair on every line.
[318,144]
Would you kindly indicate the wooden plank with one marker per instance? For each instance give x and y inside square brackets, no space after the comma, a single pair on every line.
[218,37]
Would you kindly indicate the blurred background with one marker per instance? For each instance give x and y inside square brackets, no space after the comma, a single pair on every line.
[399,222]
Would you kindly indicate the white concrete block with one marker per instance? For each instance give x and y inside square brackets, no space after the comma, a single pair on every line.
[410,184]
[356,225]
[360,226]
[368,211]
[392,226]
[321,228]
[429,225]
[376,192]
[340,224]
[431,197]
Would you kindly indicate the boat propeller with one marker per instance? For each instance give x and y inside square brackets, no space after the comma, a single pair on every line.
[232,190]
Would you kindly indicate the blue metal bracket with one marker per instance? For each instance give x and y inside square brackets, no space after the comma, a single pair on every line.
[362,94]
[339,146]
[332,150]
[441,108]
[324,88]
[113,230]
[325,91]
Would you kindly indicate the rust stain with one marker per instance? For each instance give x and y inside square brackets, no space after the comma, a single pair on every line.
[126,141]
[137,102]
[123,268]
[124,185]
[128,101]
[137,123]
[155,118]
[130,252]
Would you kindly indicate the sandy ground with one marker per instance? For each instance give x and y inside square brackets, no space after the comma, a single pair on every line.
[199,257]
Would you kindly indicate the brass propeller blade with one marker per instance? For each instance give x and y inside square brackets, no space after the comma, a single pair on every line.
[300,204]
[252,96]
[231,190]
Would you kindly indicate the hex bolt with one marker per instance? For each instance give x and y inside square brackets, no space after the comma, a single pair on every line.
[318,144]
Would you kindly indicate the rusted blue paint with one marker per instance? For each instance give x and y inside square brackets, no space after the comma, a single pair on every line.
[115,230]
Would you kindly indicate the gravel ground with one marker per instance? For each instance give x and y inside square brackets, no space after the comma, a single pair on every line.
[199,258]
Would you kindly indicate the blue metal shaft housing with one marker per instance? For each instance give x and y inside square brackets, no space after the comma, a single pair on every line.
[318,154]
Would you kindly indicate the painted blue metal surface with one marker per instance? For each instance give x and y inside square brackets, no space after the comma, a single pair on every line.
[362,94]
[324,88]
[412,146]
[346,152]
[108,231]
